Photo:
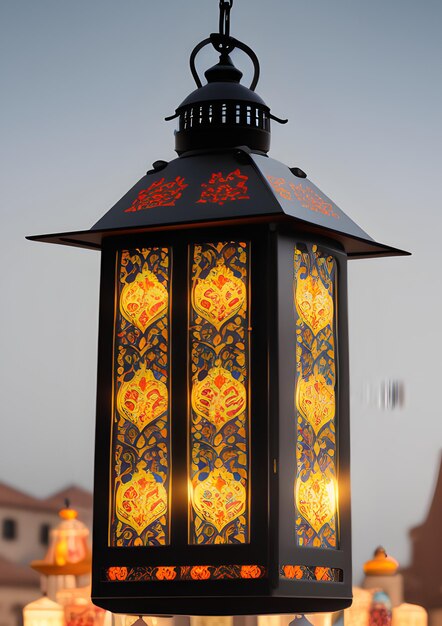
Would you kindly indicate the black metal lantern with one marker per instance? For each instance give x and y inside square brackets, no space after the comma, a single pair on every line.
[222,441]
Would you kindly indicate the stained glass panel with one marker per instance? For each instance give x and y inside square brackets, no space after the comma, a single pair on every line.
[315,484]
[140,453]
[219,412]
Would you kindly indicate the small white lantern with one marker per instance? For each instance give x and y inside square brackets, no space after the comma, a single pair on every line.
[358,613]
[43,612]
[409,615]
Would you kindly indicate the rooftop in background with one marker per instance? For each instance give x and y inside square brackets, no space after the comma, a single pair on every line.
[15,575]
[78,498]
[12,497]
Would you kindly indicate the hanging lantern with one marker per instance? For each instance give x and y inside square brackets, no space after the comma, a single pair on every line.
[43,612]
[222,455]
[68,551]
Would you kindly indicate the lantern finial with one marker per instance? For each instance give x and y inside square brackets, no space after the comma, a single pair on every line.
[223,113]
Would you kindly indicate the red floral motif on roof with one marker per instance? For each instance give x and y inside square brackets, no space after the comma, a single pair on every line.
[308,198]
[222,189]
[160,193]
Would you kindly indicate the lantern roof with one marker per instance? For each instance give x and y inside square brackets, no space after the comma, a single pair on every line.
[230,186]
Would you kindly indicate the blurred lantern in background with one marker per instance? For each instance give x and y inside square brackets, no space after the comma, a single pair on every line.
[358,613]
[223,392]
[381,572]
[43,612]
[78,608]
[68,555]
[66,565]
[409,615]
[380,610]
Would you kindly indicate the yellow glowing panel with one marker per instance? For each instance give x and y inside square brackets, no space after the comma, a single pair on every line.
[140,448]
[142,399]
[219,412]
[144,300]
[316,500]
[315,488]
[141,500]
[219,296]
[219,499]
[219,397]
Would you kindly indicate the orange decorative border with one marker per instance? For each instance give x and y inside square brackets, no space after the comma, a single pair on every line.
[184,572]
[310,572]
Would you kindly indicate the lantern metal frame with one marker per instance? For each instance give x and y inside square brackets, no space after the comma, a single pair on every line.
[281,208]
[273,457]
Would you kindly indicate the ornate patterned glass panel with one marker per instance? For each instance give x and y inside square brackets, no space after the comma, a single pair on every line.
[140,453]
[219,375]
[315,485]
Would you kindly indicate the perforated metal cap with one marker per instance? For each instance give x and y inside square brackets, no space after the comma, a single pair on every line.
[223,114]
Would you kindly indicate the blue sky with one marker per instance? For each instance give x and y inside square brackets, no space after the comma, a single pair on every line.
[85,86]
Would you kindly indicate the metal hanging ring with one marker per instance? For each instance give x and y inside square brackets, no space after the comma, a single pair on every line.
[224,45]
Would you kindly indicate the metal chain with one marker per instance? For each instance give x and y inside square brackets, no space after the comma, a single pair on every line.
[224,17]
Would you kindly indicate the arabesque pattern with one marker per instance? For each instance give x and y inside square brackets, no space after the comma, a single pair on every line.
[219,374]
[140,454]
[315,484]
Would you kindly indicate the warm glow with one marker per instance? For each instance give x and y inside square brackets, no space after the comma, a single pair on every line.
[358,613]
[43,612]
[320,619]
[409,615]
[275,620]
[316,499]
[316,493]
[219,420]
[78,607]
[212,620]
[68,541]
[139,512]
[83,613]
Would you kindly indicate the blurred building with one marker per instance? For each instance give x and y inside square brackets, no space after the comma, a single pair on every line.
[25,522]
[423,577]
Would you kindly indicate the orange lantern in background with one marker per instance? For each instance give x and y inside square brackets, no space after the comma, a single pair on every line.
[68,551]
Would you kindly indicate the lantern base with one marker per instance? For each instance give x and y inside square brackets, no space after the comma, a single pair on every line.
[224,605]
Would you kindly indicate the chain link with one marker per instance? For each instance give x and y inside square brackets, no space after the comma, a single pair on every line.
[224,17]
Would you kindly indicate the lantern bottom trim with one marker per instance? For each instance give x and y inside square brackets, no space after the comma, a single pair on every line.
[183,572]
[211,603]
[313,573]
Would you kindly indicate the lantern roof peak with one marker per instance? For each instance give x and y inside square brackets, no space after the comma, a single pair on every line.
[223,113]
